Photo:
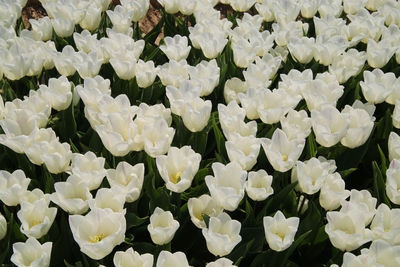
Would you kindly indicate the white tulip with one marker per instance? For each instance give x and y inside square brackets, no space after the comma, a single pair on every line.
[311,174]
[65,61]
[231,118]
[31,253]
[170,6]
[145,73]
[98,232]
[393,181]
[394,146]
[227,184]
[168,259]
[377,86]
[36,218]
[302,49]
[157,138]
[273,105]
[360,202]
[88,65]
[243,150]
[282,153]
[360,127]
[108,198]
[121,18]
[43,26]
[222,234]
[203,205]
[324,90]
[206,74]
[221,262]
[379,53]
[72,195]
[329,125]
[56,156]
[258,185]
[280,231]
[128,178]
[173,72]
[296,124]
[197,113]
[347,64]
[89,168]
[347,231]
[384,253]
[124,66]
[333,192]
[386,225]
[176,48]
[139,8]
[132,258]
[13,186]
[162,226]
[58,93]
[178,167]
[40,138]
[63,27]
[3,226]
[233,87]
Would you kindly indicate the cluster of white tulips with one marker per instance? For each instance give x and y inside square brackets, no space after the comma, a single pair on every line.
[350,37]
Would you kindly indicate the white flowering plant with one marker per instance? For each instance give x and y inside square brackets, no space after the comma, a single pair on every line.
[233,133]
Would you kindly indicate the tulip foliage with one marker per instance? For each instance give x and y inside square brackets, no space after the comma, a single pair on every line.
[255,133]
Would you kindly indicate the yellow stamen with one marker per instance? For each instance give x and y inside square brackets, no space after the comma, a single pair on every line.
[199,217]
[281,236]
[176,178]
[97,238]
[35,223]
[284,158]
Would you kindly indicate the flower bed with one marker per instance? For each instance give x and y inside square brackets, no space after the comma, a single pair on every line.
[263,137]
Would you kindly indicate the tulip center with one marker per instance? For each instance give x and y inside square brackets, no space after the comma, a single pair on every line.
[258,184]
[199,216]
[35,223]
[97,238]
[175,178]
[282,236]
[284,158]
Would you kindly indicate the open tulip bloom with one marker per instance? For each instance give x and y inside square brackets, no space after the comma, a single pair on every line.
[210,133]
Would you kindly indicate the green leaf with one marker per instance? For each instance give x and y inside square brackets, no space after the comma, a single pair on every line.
[239,253]
[200,175]
[132,220]
[351,158]
[219,138]
[67,123]
[294,245]
[200,142]
[276,200]
[206,219]
[74,149]
[77,264]
[262,259]
[379,185]
[153,34]
[250,218]
[8,92]
[311,146]
[347,172]
[383,160]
